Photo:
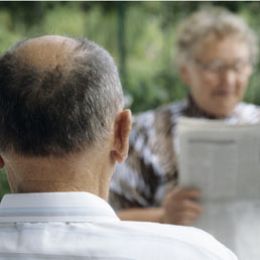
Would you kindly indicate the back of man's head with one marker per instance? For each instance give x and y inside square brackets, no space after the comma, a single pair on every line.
[57,96]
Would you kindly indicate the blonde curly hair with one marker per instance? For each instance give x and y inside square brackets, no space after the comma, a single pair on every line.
[212,21]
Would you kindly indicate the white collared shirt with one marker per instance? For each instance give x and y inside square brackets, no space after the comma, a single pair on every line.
[79,225]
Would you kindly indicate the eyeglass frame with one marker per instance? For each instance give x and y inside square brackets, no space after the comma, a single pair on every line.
[219,69]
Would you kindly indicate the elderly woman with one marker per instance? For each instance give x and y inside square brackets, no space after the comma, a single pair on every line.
[216,51]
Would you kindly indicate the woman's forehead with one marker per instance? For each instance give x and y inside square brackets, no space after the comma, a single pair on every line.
[231,45]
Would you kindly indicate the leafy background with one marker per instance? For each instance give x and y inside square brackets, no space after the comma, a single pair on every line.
[139,35]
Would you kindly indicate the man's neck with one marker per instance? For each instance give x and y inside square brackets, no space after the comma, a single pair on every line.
[77,172]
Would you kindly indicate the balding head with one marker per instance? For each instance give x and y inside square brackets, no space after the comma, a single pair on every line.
[57,95]
[47,52]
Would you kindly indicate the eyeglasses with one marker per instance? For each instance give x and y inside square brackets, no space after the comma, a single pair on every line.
[218,66]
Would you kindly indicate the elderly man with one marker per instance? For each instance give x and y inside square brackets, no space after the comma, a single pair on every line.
[62,130]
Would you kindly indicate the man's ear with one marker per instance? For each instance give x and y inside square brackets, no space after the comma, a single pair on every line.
[122,130]
[185,74]
[2,163]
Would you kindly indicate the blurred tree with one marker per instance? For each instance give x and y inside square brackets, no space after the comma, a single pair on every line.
[140,35]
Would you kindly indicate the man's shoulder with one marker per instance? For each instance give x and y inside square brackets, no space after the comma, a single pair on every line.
[188,242]
[116,239]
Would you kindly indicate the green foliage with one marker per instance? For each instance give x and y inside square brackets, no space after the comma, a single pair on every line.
[4,187]
[147,36]
[7,36]
[64,20]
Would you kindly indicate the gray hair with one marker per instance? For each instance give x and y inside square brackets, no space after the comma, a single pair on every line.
[212,21]
[54,111]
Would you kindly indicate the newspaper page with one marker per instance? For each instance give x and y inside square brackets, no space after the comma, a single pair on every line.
[223,161]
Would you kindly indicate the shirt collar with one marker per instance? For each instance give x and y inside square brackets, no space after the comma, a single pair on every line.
[55,207]
[192,110]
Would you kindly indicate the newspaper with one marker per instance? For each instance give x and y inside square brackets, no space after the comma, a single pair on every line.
[223,161]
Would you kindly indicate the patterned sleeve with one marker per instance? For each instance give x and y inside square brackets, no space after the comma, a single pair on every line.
[137,182]
[128,186]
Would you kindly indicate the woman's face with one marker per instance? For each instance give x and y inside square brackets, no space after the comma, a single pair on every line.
[218,75]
